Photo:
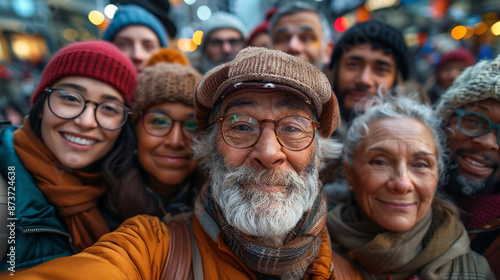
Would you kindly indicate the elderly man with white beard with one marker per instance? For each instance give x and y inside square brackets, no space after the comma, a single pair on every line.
[265,120]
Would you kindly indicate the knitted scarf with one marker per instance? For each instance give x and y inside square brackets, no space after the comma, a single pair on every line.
[426,250]
[479,209]
[289,261]
[74,193]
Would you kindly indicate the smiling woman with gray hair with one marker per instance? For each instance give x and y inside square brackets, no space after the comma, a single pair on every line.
[394,226]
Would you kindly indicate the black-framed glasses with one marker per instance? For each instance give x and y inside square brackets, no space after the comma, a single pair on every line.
[241,131]
[158,123]
[69,104]
[475,124]
[218,43]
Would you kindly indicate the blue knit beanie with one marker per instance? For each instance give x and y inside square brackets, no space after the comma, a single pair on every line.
[132,14]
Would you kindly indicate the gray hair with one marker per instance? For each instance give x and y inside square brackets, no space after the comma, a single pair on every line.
[382,107]
[298,7]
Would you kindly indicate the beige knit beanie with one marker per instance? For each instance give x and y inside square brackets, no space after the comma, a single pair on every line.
[476,83]
[265,68]
[165,82]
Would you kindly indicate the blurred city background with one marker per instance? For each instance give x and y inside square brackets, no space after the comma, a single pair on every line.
[32,30]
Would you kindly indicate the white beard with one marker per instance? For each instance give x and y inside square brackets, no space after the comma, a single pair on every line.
[254,210]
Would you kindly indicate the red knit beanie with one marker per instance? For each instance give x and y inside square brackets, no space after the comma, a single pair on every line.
[458,54]
[98,60]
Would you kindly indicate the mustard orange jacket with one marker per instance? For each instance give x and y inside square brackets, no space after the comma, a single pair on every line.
[138,250]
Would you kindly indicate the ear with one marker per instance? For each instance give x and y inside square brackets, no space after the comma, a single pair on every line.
[327,52]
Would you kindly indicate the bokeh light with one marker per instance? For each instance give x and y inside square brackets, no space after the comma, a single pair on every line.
[96,17]
[480,28]
[70,34]
[495,28]
[204,12]
[189,2]
[341,24]
[458,32]
[198,37]
[110,10]
[469,33]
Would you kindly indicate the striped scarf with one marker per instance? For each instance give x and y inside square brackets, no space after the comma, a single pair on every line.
[289,261]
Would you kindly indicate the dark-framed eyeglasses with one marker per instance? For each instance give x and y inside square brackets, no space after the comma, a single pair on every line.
[218,43]
[241,131]
[475,124]
[69,104]
[158,123]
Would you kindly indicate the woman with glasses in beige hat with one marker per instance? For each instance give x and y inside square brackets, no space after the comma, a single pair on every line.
[164,179]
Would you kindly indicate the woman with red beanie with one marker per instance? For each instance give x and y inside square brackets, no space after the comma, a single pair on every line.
[59,163]
[447,70]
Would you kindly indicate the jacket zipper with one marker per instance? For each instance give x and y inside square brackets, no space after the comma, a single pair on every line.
[46,230]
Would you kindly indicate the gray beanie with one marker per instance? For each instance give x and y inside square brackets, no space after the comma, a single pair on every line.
[478,82]
[220,20]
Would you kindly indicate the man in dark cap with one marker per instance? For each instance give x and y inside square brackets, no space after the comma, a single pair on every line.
[369,57]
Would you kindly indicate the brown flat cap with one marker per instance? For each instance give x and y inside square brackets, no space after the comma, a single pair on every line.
[271,69]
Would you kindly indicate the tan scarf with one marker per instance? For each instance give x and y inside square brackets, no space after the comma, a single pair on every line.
[427,249]
[74,193]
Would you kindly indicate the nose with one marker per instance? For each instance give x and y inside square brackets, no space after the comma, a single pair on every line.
[86,119]
[365,77]
[226,47]
[267,152]
[401,181]
[138,54]
[295,45]
[488,140]
[175,138]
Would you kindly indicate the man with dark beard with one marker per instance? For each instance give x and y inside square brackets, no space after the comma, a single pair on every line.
[265,118]
[369,57]
[470,109]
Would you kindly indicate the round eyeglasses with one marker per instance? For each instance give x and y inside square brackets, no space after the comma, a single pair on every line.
[475,124]
[158,123]
[241,131]
[68,104]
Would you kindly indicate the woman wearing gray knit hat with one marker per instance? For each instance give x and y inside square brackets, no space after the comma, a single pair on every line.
[470,109]
[164,121]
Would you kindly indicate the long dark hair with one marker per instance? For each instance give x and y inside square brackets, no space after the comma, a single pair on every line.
[115,163]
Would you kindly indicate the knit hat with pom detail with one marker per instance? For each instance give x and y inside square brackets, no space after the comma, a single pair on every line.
[98,60]
[476,83]
[131,14]
[169,55]
[265,68]
[165,82]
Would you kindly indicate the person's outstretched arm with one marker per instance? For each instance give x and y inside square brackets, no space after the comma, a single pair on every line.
[136,250]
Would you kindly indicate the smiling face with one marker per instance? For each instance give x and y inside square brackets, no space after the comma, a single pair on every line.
[264,189]
[362,70]
[168,159]
[80,142]
[395,173]
[477,158]
[138,43]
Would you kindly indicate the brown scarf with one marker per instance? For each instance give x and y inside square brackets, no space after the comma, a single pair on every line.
[290,261]
[427,249]
[74,193]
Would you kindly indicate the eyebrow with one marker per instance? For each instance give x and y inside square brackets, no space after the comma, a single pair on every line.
[81,89]
[384,150]
[188,115]
[288,102]
[378,61]
[301,28]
